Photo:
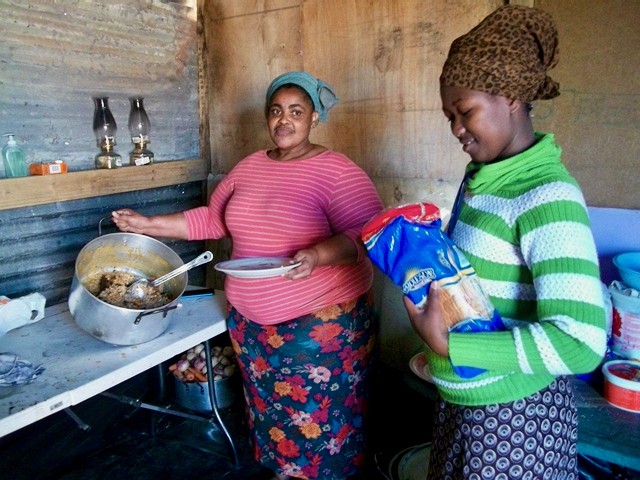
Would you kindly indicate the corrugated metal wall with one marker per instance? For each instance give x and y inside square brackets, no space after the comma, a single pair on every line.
[39,246]
[56,55]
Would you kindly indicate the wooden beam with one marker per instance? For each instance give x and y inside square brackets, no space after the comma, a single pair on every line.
[40,190]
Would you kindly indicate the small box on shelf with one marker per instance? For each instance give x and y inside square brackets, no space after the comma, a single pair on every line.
[52,168]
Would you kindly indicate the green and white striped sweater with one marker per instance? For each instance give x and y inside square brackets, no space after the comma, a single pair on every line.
[524,227]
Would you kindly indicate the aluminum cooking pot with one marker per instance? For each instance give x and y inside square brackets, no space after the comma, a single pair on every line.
[131,253]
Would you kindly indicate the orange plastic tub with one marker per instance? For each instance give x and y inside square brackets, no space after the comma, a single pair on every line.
[622,384]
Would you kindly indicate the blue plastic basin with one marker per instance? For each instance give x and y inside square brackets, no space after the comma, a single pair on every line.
[628,265]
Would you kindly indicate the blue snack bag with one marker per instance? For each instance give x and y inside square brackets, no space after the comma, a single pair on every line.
[407,243]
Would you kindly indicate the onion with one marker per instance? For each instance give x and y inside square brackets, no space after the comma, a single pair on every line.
[199,363]
[191,355]
[182,365]
[222,363]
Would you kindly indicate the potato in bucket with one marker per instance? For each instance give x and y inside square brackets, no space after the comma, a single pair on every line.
[191,374]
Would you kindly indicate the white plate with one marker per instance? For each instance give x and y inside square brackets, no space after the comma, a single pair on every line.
[418,365]
[411,463]
[415,464]
[260,267]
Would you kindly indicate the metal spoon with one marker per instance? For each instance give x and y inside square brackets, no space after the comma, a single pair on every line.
[137,289]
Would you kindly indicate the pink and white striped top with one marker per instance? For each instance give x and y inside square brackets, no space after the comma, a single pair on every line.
[274,208]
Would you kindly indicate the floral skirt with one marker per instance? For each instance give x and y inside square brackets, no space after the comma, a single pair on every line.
[533,438]
[305,385]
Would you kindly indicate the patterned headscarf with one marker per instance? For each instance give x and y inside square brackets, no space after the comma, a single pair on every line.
[321,94]
[507,54]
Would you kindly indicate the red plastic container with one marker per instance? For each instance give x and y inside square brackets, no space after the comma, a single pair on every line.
[622,384]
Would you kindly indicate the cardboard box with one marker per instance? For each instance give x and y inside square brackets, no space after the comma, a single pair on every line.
[59,166]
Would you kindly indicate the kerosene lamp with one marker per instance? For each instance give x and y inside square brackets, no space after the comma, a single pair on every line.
[139,127]
[105,128]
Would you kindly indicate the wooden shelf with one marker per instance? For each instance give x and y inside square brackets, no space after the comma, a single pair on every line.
[40,190]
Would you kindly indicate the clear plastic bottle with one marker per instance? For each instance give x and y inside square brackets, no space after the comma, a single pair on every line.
[13,159]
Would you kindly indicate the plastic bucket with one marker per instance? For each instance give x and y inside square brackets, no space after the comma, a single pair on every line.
[622,384]
[625,328]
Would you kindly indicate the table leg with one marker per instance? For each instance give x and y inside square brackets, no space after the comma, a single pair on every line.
[214,402]
[161,395]
[162,384]
[81,424]
[134,402]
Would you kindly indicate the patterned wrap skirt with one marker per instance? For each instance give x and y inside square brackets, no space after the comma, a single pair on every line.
[305,385]
[531,438]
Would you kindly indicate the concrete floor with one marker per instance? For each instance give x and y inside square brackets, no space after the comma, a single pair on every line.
[129,443]
[125,442]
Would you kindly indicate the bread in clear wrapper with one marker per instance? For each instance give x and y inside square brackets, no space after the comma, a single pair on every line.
[408,245]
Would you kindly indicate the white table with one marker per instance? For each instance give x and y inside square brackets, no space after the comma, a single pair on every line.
[78,366]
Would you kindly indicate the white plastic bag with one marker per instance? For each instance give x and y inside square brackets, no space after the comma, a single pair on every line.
[20,311]
[16,371]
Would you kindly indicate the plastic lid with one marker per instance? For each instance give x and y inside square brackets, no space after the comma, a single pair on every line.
[11,140]
[623,373]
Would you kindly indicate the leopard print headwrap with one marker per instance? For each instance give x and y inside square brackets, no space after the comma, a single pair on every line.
[506,54]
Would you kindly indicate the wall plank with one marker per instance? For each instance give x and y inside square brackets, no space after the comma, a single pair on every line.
[384,58]
[597,115]
[250,50]
[41,190]
[390,120]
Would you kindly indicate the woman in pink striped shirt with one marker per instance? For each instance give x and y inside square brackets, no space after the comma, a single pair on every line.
[304,341]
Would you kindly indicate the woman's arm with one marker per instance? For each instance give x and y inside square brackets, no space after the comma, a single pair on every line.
[173,225]
[336,250]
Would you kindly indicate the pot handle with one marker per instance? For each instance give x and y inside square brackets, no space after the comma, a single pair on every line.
[164,312]
[108,217]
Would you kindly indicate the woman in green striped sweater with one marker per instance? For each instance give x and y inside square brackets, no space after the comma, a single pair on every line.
[522,222]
